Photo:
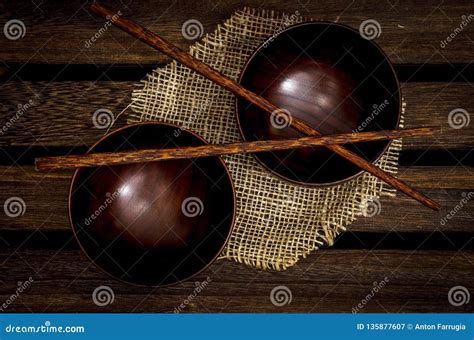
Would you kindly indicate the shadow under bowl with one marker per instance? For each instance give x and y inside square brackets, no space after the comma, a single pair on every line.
[330,77]
[155,223]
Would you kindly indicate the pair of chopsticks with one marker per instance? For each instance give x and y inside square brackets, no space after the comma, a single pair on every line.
[157,42]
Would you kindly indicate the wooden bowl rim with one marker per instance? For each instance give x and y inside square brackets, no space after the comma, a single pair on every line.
[228,174]
[269,41]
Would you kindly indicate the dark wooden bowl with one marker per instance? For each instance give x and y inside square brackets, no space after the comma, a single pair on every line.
[154,223]
[329,76]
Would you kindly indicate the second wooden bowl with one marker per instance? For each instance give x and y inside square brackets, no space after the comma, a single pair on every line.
[329,76]
[156,223]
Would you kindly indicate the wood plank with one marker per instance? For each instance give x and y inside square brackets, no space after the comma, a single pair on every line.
[56,31]
[46,194]
[438,177]
[327,281]
[45,197]
[431,104]
[402,213]
[61,114]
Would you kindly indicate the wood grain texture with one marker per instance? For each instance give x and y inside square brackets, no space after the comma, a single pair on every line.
[61,114]
[57,31]
[327,281]
[445,184]
[433,102]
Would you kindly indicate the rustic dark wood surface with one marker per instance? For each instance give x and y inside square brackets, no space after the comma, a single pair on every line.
[421,256]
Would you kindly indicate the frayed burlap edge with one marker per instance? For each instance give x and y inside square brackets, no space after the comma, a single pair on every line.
[276,223]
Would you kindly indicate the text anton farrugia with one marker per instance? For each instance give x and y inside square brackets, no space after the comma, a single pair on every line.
[439,327]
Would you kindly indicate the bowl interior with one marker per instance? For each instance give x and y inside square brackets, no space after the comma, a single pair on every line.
[329,76]
[152,223]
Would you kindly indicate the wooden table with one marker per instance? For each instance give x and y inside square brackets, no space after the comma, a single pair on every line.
[421,257]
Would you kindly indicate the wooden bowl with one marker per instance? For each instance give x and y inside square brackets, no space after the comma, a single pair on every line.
[154,223]
[329,76]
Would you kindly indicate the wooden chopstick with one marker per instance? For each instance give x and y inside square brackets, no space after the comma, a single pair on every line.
[157,42]
[151,155]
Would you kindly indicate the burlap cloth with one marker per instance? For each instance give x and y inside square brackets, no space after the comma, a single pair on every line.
[276,222]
